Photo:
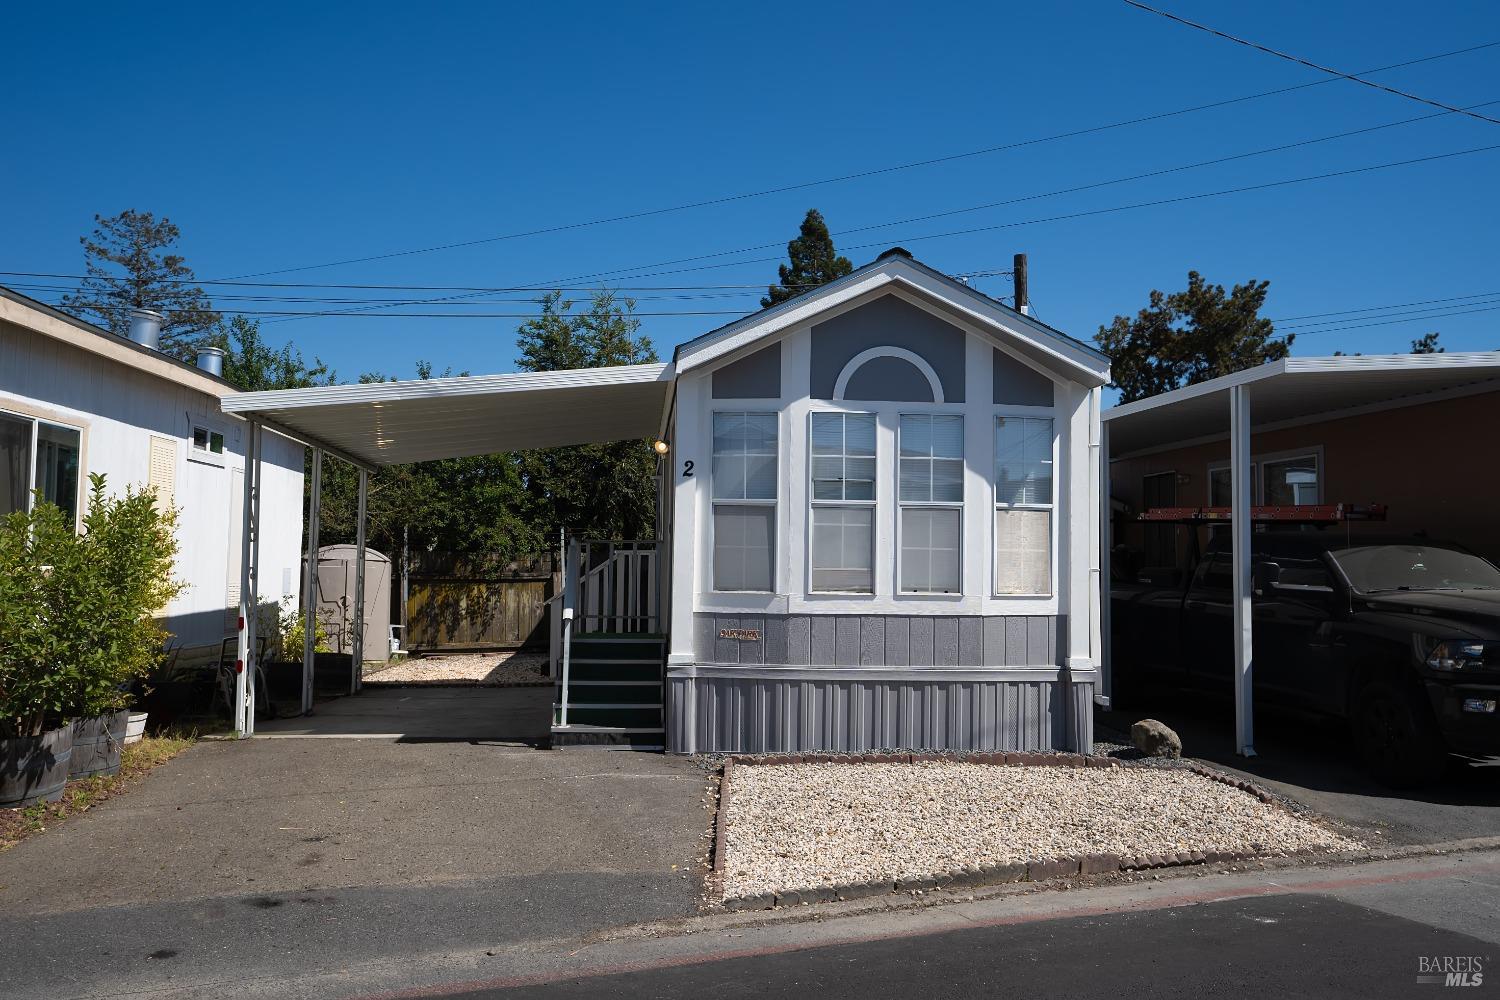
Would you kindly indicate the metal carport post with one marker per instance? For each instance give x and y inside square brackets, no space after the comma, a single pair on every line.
[245,659]
[250,529]
[1239,531]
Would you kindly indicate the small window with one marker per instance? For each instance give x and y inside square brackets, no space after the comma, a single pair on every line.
[843,464]
[1023,506]
[1291,482]
[209,441]
[744,495]
[843,502]
[931,494]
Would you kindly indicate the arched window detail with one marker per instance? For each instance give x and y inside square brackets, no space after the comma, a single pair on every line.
[916,361]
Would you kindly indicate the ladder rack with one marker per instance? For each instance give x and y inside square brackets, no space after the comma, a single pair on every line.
[1327,513]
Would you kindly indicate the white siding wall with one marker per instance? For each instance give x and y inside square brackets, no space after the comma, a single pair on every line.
[119,410]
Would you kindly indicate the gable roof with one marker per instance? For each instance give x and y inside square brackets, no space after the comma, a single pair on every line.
[898,269]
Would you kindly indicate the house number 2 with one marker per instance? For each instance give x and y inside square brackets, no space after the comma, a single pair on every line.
[687,469]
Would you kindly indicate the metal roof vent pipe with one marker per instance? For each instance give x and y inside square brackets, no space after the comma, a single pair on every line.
[211,360]
[145,328]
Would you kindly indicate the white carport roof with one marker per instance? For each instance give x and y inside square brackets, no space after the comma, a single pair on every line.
[391,423]
[1294,389]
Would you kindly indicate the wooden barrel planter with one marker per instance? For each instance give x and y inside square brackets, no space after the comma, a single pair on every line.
[97,743]
[35,768]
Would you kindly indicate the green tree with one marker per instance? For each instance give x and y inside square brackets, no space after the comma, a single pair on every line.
[252,365]
[595,490]
[1427,344]
[130,267]
[813,261]
[1190,336]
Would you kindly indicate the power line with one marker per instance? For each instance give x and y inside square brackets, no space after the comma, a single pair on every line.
[906,239]
[1415,314]
[744,289]
[1392,322]
[1308,62]
[761,286]
[855,175]
[1393,305]
[1103,211]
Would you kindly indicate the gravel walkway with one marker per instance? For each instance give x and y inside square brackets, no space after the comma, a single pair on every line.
[801,826]
[480,669]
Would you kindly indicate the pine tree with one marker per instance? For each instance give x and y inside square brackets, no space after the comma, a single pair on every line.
[1427,344]
[129,268]
[814,261]
[1190,336]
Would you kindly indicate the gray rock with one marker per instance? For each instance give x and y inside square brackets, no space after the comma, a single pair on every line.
[1155,739]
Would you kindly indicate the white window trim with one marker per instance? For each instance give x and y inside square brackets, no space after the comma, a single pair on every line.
[954,505]
[1257,463]
[1053,528]
[206,457]
[37,419]
[774,503]
[870,354]
[872,504]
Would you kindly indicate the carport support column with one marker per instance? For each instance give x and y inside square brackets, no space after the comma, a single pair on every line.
[357,644]
[310,591]
[1106,569]
[1239,529]
[244,678]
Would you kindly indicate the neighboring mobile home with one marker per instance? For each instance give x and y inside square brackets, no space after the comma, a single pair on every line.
[879,520]
[77,400]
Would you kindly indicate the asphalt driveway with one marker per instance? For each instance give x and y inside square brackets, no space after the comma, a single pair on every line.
[266,857]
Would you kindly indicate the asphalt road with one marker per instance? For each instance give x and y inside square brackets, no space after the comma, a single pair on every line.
[1289,947]
[1357,937]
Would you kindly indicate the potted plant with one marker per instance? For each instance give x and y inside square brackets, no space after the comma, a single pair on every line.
[284,669]
[118,579]
[35,744]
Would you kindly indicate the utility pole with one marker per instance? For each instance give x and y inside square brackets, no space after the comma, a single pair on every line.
[1023,295]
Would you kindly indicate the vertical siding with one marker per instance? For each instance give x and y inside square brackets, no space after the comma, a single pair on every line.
[774,715]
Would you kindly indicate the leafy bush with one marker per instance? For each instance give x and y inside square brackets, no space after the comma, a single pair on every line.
[291,625]
[77,611]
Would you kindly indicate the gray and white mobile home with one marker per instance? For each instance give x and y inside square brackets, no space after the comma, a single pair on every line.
[879,521]
[884,519]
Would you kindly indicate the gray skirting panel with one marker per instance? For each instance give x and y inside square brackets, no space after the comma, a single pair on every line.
[714,709]
[881,640]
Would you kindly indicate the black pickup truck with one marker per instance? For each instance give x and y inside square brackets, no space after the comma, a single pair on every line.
[1399,636]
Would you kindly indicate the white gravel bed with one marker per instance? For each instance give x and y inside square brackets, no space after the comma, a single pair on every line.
[802,826]
[480,669]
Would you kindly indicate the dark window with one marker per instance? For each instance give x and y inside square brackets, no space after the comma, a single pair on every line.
[1159,490]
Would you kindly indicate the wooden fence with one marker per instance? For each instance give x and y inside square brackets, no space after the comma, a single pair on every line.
[469,602]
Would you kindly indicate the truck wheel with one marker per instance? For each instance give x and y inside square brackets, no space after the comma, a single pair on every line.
[1396,737]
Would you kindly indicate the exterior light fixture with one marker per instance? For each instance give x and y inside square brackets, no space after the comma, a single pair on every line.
[660,447]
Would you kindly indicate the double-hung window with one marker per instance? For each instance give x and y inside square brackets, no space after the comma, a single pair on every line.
[843,502]
[744,500]
[931,494]
[1023,506]
[37,455]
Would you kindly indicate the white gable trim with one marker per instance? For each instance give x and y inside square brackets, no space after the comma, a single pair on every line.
[916,360]
[896,273]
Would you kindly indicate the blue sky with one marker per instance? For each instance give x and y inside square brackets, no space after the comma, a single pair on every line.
[283,136]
